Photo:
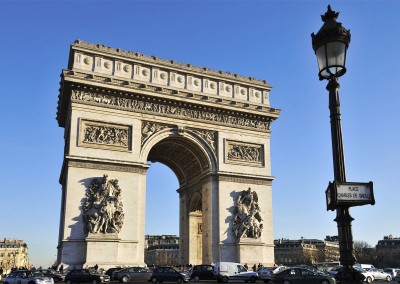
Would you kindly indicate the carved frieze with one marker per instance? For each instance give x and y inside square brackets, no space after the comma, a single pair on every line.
[102,208]
[166,108]
[245,153]
[247,221]
[104,135]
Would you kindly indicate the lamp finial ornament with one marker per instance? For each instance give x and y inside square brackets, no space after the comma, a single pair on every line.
[330,14]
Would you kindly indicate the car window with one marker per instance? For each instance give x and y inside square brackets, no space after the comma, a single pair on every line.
[306,273]
[13,274]
[241,268]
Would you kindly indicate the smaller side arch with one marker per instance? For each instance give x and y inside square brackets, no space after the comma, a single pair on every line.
[195,203]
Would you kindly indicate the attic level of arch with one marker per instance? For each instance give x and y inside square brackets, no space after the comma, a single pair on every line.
[85,54]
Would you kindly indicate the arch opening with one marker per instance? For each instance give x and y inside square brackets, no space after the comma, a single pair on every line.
[190,165]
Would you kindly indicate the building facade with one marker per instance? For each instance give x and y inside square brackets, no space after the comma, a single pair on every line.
[388,251]
[306,251]
[162,250]
[13,254]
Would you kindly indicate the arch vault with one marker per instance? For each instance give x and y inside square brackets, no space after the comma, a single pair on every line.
[212,129]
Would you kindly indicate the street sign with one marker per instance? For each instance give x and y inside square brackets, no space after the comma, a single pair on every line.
[349,194]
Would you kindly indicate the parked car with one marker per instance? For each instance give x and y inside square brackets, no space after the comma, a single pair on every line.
[265,273]
[397,277]
[111,272]
[57,277]
[202,272]
[224,271]
[392,271]
[379,274]
[86,276]
[27,276]
[166,273]
[297,275]
[367,276]
[132,274]
[334,271]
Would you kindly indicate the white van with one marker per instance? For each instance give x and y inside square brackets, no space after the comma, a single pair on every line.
[224,271]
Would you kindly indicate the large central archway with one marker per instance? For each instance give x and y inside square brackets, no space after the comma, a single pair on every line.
[189,156]
[212,129]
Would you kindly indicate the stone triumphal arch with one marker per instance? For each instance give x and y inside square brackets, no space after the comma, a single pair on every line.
[122,109]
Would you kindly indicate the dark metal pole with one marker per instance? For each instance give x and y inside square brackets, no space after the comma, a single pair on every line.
[343,218]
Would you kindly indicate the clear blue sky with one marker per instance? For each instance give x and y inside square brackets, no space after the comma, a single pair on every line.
[264,39]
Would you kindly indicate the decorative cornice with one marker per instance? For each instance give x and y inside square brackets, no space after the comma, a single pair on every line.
[119,86]
[104,165]
[232,177]
[167,63]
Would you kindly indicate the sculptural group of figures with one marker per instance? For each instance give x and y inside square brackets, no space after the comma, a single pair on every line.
[106,135]
[102,207]
[247,221]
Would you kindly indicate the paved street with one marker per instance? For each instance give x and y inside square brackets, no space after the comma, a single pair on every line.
[258,282]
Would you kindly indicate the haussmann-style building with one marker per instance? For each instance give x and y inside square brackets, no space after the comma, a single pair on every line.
[13,254]
[162,250]
[306,251]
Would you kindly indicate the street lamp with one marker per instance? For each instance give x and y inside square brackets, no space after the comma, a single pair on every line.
[330,45]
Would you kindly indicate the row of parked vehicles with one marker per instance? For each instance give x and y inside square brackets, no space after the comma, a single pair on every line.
[223,272]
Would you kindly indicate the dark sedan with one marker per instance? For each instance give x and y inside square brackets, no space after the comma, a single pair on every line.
[168,274]
[112,271]
[298,275]
[202,272]
[86,276]
[132,274]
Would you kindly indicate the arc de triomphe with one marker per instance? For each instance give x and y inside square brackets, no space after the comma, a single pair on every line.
[122,109]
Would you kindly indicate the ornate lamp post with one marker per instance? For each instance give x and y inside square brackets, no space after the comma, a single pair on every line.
[330,45]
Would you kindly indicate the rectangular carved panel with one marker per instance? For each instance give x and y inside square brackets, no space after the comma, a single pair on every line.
[104,135]
[244,153]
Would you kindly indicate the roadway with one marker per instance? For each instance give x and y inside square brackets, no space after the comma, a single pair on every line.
[257,282]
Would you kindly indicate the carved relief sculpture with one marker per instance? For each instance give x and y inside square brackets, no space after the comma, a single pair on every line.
[247,221]
[99,134]
[150,128]
[102,207]
[208,137]
[251,154]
